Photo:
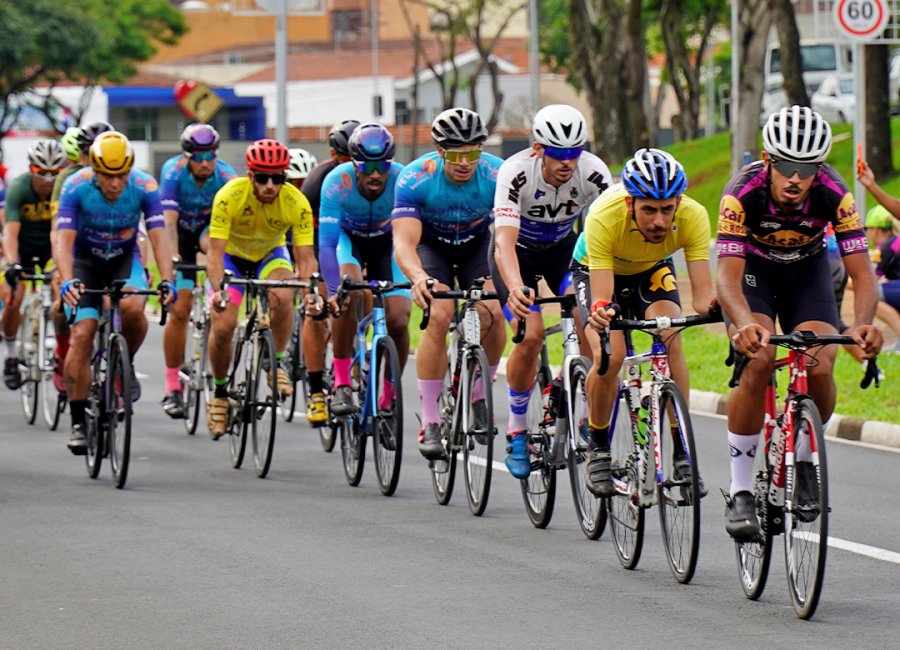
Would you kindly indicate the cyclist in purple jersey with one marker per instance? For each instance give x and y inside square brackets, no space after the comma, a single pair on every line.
[540,193]
[773,264]
[441,223]
[189,184]
[99,212]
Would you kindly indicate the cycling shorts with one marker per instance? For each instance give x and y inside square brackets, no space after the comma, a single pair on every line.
[794,293]
[464,262]
[188,247]
[375,255]
[98,273]
[551,264]
[633,293]
[890,293]
[28,253]
[277,258]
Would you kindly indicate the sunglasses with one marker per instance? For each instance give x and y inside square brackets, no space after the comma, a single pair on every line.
[456,157]
[263,179]
[787,168]
[44,173]
[564,153]
[201,156]
[372,166]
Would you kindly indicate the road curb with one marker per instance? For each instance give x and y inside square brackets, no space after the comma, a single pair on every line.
[839,426]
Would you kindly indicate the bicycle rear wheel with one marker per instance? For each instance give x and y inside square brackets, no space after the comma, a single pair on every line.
[590,510]
[678,496]
[387,440]
[30,344]
[263,408]
[194,375]
[353,449]
[806,519]
[626,517]
[118,408]
[51,400]
[753,557]
[238,418]
[94,425]
[539,489]
[443,470]
[478,442]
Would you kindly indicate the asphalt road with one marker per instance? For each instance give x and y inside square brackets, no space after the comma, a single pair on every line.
[195,554]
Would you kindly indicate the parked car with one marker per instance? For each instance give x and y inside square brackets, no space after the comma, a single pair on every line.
[835,99]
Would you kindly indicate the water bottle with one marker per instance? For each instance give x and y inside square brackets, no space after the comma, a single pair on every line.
[643,421]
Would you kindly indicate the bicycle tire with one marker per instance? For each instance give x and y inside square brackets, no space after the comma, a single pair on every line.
[678,497]
[50,397]
[539,489]
[93,430]
[806,541]
[754,557]
[118,408]
[240,384]
[590,511]
[387,439]
[30,342]
[626,517]
[292,361]
[353,449]
[192,388]
[478,443]
[443,470]
[264,407]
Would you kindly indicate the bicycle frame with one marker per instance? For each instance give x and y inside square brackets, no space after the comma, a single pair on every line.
[365,356]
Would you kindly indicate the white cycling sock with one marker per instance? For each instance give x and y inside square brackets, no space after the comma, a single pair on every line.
[743,451]
[11,348]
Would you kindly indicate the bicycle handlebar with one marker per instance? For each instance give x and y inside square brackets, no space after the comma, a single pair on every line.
[475,292]
[116,290]
[375,286]
[520,328]
[180,265]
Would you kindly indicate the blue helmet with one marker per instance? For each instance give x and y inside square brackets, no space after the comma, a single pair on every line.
[654,174]
[371,142]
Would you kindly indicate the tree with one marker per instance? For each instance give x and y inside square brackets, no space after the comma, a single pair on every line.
[878,121]
[785,21]
[754,21]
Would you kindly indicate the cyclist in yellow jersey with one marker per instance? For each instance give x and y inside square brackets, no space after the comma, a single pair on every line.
[250,219]
[631,231]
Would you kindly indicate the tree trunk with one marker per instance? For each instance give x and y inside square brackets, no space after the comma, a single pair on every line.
[753,27]
[785,20]
[878,120]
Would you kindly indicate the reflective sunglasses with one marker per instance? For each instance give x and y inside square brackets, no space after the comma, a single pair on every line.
[564,153]
[201,156]
[787,168]
[44,173]
[371,166]
[263,179]
[456,157]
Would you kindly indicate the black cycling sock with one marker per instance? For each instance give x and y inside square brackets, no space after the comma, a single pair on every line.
[316,383]
[77,408]
[221,388]
[600,438]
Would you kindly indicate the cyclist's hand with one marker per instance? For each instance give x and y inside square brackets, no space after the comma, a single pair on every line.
[519,302]
[167,292]
[70,291]
[601,315]
[220,300]
[421,292]
[313,304]
[869,339]
[749,339]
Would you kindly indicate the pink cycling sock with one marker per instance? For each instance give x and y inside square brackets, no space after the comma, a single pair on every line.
[172,381]
[478,386]
[342,372]
[430,394]
[387,395]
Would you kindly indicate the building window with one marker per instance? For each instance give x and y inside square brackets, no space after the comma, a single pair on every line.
[143,123]
[349,24]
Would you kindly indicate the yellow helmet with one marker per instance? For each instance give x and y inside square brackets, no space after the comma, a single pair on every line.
[111,154]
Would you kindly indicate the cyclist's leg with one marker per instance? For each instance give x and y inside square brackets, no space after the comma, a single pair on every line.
[377,256]
[12,317]
[175,332]
[344,326]
[134,322]
[277,266]
[222,325]
[472,261]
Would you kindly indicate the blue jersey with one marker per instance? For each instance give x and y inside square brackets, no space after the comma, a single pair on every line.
[449,212]
[107,230]
[179,191]
[344,208]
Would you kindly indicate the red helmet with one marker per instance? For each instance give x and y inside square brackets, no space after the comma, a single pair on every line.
[267,156]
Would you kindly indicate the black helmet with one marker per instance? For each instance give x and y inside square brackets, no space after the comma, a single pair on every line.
[90,132]
[339,138]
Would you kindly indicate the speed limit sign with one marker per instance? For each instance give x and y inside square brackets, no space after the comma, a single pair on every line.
[861,20]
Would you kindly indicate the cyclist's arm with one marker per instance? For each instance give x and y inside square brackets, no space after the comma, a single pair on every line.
[171,218]
[867,178]
[306,261]
[11,231]
[505,239]
[215,262]
[407,234]
[162,252]
[730,292]
[65,244]
[701,285]
[865,301]
[602,287]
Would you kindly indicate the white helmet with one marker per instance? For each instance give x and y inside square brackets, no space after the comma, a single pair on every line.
[798,134]
[302,162]
[47,154]
[559,125]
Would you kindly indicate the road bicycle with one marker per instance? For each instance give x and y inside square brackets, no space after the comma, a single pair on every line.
[558,430]
[378,392]
[109,407]
[36,347]
[195,377]
[654,459]
[468,382]
[784,505]
[253,400]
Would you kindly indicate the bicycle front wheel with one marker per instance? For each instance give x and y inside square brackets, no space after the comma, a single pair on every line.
[94,427]
[240,390]
[353,449]
[51,400]
[30,344]
[293,366]
[118,408]
[806,513]
[443,470]
[193,375]
[678,495]
[478,449]
[387,440]
[753,557]
[263,408]
[590,510]
[539,489]
[626,517]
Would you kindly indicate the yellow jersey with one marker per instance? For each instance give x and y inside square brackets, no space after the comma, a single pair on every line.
[614,242]
[254,229]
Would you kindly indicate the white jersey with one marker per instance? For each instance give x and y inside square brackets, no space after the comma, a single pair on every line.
[544,214]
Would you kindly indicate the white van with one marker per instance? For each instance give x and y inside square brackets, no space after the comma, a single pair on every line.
[821,59]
